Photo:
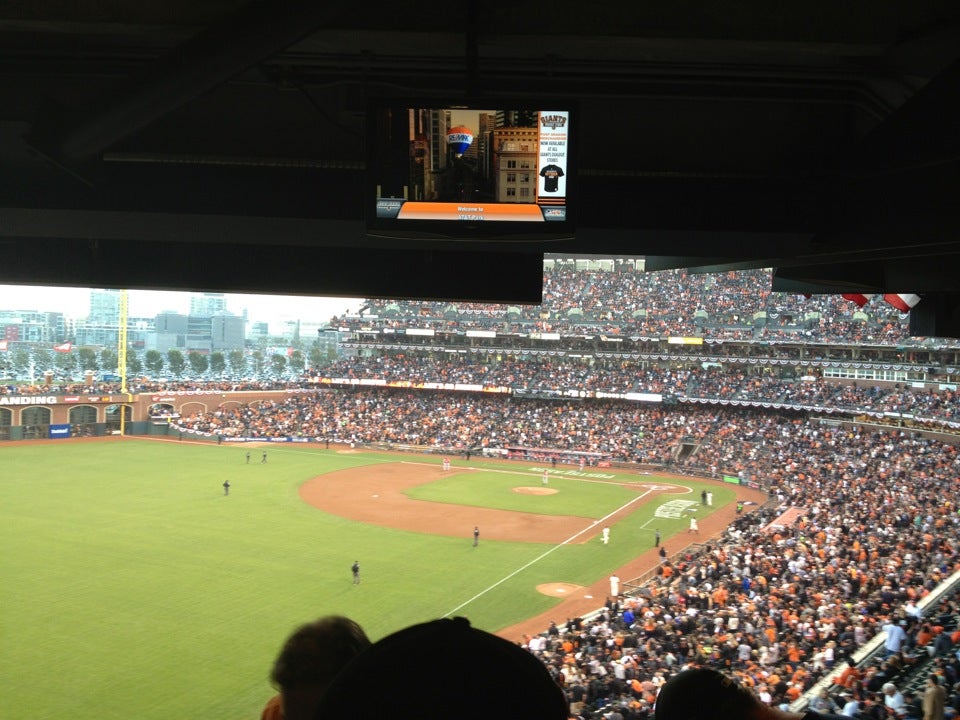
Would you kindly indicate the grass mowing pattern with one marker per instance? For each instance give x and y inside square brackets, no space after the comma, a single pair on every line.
[133,588]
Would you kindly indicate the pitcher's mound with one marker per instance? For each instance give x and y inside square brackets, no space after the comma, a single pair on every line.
[559,589]
[533,490]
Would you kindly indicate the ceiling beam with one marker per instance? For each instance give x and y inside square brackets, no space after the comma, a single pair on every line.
[402,273]
[921,133]
[252,34]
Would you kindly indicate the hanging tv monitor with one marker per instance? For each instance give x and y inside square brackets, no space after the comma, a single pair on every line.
[488,171]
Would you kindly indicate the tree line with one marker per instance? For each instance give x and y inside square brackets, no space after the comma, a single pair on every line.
[37,360]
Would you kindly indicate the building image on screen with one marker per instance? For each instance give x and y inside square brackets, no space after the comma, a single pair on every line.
[487,156]
[471,165]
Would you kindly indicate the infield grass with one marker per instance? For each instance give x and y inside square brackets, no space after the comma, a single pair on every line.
[133,588]
[494,488]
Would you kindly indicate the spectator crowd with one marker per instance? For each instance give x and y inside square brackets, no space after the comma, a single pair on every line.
[557,377]
[736,305]
[779,606]
[563,377]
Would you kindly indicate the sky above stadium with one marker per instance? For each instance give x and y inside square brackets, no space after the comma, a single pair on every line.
[75,303]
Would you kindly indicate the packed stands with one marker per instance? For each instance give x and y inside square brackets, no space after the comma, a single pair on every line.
[780,608]
[834,411]
[622,299]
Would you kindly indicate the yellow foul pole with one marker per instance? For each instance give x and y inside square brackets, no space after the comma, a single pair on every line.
[122,358]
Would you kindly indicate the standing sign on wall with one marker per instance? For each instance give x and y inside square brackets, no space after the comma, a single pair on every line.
[58,432]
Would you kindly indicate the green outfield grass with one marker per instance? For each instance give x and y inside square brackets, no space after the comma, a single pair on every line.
[493,488]
[131,587]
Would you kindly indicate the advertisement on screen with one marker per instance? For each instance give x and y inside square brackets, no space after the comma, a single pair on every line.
[469,167]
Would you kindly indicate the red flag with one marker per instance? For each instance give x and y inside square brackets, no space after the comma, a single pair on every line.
[858,298]
[65,347]
[3,344]
[903,303]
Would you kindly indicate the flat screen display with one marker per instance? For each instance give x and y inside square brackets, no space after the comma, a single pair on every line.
[463,170]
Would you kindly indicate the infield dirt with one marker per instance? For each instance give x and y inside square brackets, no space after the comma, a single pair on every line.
[375,495]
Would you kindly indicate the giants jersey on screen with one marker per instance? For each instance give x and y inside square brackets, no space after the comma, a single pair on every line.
[551,175]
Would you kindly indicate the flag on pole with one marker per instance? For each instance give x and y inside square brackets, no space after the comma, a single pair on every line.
[65,347]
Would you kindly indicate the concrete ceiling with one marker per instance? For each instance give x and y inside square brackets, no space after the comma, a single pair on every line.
[220,145]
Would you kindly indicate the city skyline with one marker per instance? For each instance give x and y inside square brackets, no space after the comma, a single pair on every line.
[74,303]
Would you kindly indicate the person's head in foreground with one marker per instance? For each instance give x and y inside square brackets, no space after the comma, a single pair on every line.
[440,670]
[704,694]
[310,659]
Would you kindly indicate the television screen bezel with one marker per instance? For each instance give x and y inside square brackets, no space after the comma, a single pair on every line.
[452,230]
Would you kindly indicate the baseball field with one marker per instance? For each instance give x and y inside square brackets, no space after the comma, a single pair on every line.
[134,586]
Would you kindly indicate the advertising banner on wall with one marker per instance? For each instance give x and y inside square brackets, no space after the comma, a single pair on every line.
[58,432]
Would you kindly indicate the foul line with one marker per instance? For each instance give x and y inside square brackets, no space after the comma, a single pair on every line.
[548,552]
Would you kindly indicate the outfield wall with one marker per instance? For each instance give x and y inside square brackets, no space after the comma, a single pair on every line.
[26,417]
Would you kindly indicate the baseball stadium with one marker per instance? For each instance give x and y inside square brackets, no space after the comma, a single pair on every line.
[646,472]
